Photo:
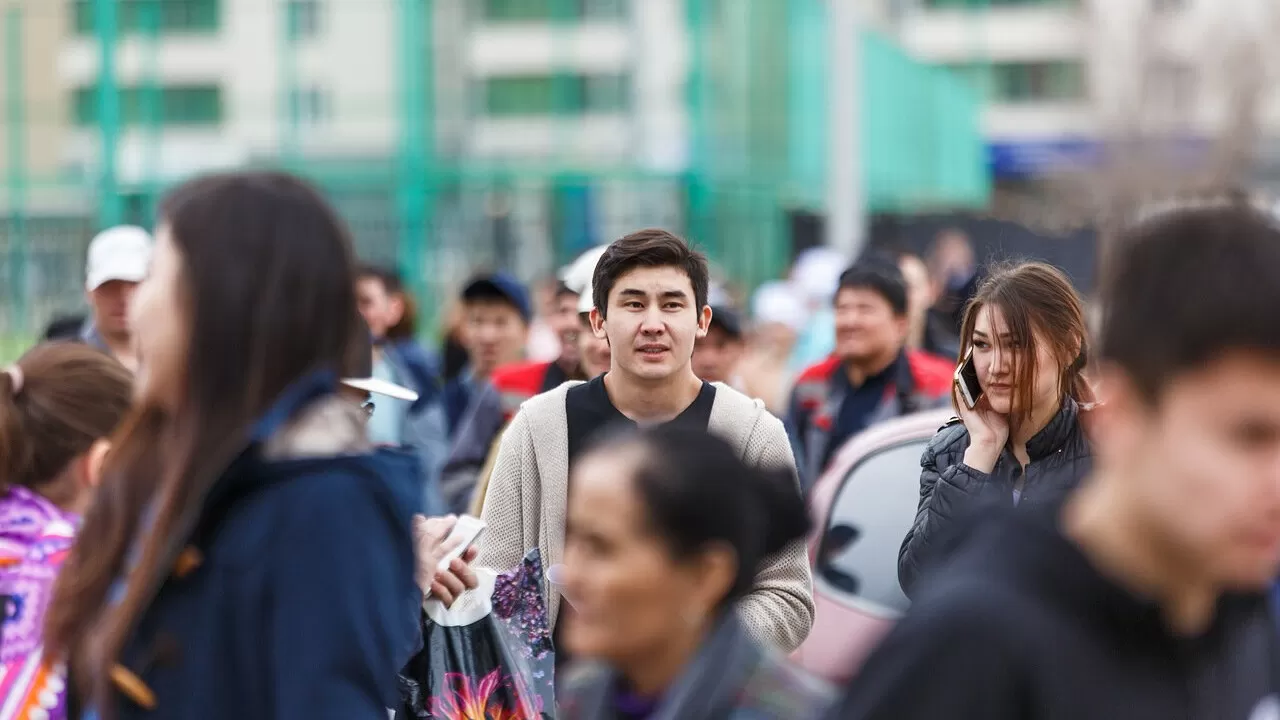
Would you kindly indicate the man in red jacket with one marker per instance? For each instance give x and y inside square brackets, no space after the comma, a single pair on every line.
[871,376]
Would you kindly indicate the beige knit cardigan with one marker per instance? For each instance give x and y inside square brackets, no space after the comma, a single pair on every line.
[525,505]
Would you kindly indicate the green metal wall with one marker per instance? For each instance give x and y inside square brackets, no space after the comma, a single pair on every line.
[922,145]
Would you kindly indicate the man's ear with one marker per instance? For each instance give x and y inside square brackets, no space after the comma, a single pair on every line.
[94,460]
[1120,414]
[597,324]
[704,321]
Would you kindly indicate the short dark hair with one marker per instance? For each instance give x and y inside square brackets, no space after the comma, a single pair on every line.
[649,248]
[1185,287]
[881,276]
[697,492]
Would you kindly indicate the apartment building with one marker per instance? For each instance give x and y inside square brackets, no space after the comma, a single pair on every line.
[1062,76]
[34,119]
[219,83]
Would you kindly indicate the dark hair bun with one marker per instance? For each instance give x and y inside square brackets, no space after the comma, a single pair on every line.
[698,492]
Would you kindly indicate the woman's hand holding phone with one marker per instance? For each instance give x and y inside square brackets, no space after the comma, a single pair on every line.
[988,434]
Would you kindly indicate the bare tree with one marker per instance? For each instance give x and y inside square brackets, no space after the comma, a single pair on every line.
[1177,98]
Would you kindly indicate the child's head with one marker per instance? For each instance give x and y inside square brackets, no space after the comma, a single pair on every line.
[57,403]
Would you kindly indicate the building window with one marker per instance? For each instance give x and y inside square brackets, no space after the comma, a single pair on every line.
[541,10]
[1167,5]
[1047,81]
[168,16]
[174,105]
[568,94]
[304,18]
[310,105]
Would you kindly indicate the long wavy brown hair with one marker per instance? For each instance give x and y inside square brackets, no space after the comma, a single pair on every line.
[1038,303]
[268,294]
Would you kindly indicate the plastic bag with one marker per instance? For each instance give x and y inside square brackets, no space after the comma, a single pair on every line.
[489,657]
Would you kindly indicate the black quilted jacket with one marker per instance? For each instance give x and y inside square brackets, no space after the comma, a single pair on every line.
[951,491]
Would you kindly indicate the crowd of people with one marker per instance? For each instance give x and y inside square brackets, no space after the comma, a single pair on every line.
[227,491]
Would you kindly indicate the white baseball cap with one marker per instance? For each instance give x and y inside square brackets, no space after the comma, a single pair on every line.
[577,274]
[362,372]
[585,300]
[378,386]
[119,253]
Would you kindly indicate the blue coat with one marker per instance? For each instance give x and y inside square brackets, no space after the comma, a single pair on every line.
[302,604]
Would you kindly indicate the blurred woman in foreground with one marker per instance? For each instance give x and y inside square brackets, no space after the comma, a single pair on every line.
[57,404]
[1023,443]
[249,554]
[666,531]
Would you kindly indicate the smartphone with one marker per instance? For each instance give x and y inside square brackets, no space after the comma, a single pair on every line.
[466,531]
[967,381]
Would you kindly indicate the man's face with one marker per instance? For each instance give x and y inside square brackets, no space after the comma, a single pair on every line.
[110,302]
[866,326]
[564,322]
[653,322]
[495,335]
[1203,467]
[716,356]
[381,311]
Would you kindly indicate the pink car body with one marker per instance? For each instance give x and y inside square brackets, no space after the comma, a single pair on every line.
[856,589]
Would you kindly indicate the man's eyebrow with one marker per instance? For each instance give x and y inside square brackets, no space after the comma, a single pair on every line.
[634,292]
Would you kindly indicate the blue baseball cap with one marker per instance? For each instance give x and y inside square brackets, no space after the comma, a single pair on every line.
[501,286]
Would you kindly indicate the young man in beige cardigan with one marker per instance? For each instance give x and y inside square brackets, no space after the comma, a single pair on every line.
[650,295]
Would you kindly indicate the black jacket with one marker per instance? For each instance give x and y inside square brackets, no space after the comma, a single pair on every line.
[951,491]
[1021,626]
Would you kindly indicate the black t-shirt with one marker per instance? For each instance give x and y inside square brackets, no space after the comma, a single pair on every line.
[1020,624]
[590,411]
[554,378]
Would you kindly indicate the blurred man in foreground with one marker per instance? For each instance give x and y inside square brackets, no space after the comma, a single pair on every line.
[1144,597]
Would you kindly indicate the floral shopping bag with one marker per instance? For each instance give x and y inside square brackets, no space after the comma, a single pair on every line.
[489,657]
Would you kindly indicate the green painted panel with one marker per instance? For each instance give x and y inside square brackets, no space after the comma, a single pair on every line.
[178,105]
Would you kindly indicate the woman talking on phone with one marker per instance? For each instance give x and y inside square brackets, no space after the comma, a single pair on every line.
[1018,441]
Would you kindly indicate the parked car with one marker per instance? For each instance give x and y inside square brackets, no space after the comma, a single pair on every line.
[862,508]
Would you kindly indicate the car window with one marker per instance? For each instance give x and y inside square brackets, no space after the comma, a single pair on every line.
[871,514]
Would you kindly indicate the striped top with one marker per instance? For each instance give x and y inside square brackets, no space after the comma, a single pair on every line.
[35,538]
